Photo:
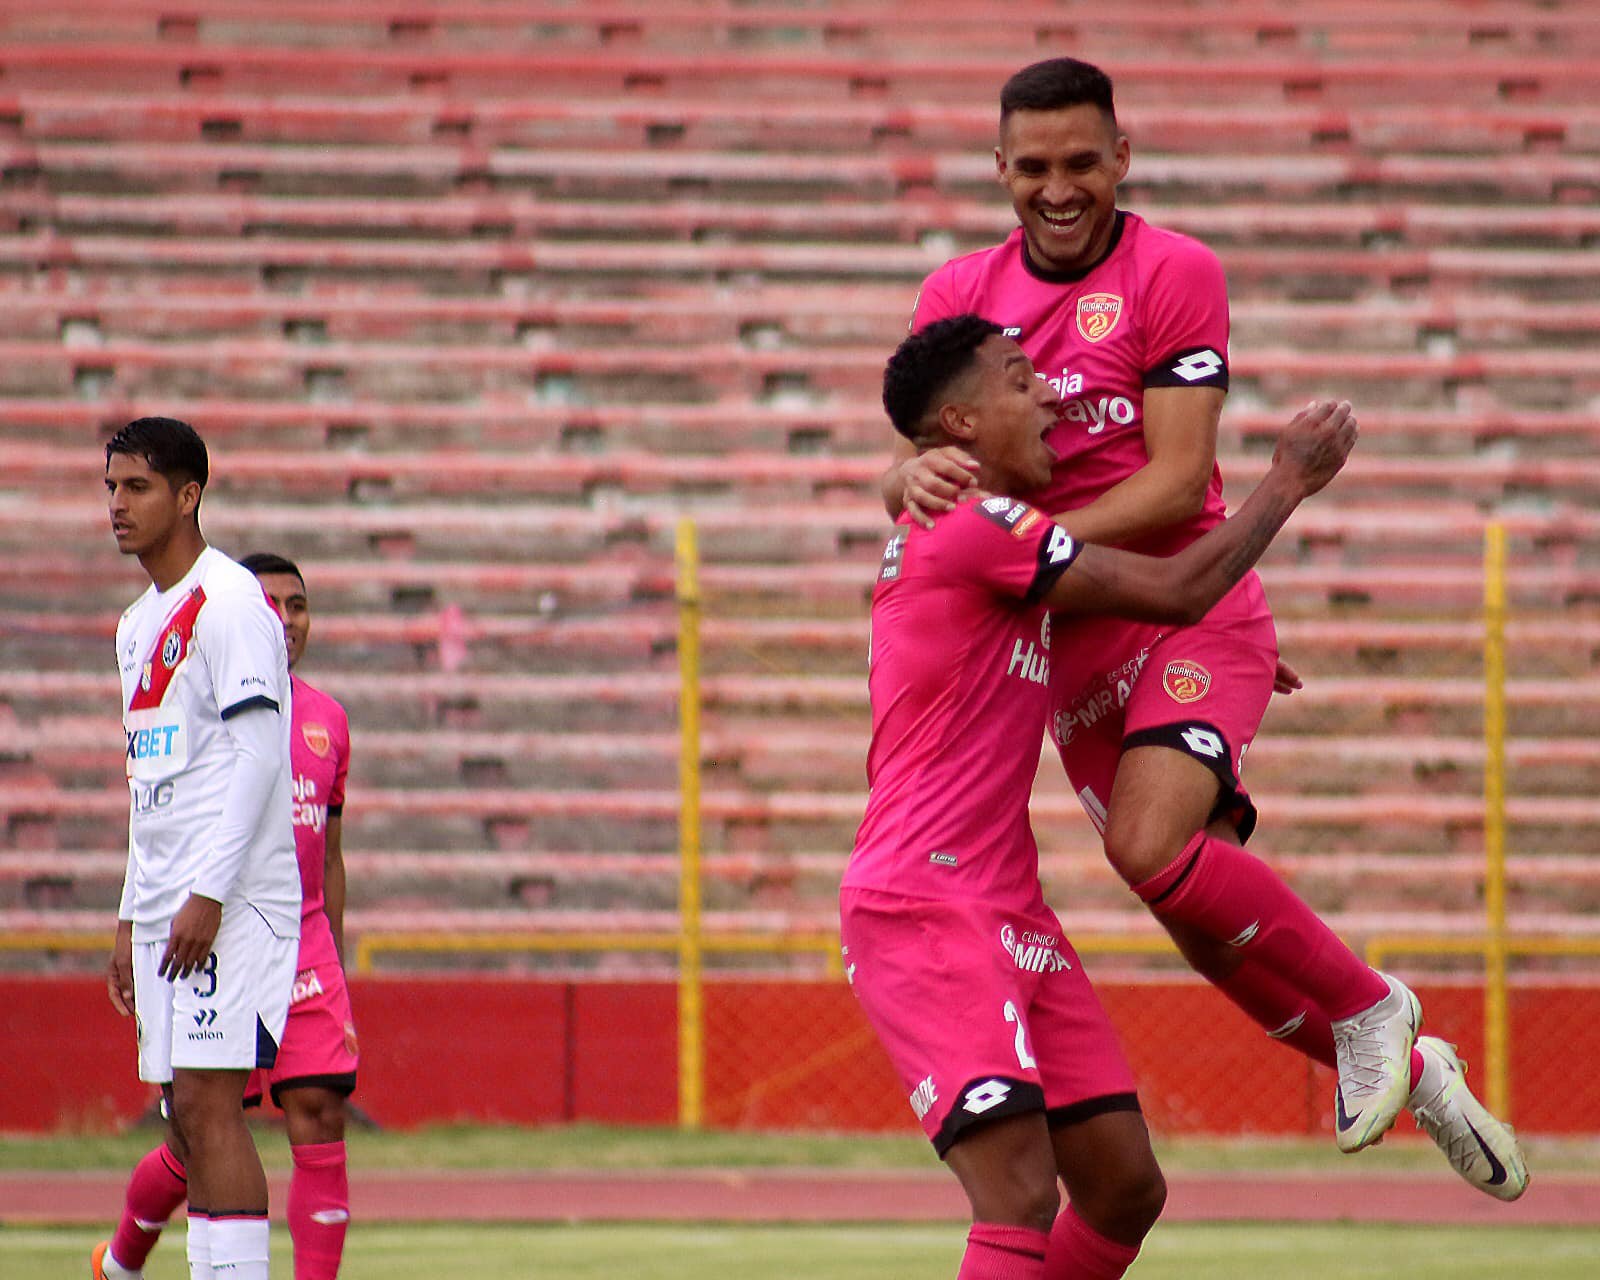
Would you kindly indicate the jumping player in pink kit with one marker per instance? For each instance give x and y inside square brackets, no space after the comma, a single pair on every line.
[315,1070]
[1129,325]
[1006,1055]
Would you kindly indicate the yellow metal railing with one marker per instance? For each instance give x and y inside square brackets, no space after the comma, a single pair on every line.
[691,1004]
[1495,1036]
[690,943]
[430,942]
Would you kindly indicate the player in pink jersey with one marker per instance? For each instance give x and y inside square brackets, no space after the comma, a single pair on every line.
[315,1070]
[1129,324]
[979,1000]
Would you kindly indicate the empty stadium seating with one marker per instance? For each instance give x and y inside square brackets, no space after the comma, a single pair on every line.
[473,302]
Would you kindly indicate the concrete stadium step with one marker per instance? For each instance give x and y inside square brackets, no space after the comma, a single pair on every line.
[961,222]
[85,751]
[778,425]
[1249,76]
[511,818]
[699,121]
[277,369]
[1359,29]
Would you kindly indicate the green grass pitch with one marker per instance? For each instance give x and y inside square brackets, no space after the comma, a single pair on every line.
[644,1252]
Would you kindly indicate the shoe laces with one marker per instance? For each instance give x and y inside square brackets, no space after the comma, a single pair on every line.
[1362,1055]
[1456,1140]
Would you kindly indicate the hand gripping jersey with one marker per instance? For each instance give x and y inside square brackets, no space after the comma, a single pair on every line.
[1152,313]
[208,648]
[959,681]
[319,752]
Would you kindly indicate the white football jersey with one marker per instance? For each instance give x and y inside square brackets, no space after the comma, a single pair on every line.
[191,657]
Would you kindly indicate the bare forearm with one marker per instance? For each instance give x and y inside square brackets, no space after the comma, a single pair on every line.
[1210,567]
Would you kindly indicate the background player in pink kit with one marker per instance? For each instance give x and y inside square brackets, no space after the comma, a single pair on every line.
[982,1005]
[1129,324]
[316,1066]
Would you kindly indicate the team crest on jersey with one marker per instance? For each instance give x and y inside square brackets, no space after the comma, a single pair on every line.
[1185,681]
[1098,314]
[317,737]
[144,676]
[171,649]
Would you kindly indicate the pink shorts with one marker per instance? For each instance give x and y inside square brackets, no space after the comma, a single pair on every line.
[1201,690]
[984,1011]
[319,1038]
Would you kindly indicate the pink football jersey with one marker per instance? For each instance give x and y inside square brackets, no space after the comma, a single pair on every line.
[959,682]
[319,756]
[1152,313]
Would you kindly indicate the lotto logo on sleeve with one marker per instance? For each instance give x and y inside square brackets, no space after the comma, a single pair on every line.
[1098,314]
[1186,681]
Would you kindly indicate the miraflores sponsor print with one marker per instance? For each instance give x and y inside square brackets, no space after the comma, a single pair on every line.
[1033,952]
[1110,694]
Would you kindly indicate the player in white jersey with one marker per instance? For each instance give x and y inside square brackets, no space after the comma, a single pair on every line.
[209,924]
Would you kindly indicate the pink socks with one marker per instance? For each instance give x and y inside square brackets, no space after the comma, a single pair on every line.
[1236,898]
[1079,1252]
[319,1209]
[996,1252]
[158,1187]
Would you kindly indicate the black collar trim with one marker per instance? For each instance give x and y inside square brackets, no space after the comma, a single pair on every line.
[1072,277]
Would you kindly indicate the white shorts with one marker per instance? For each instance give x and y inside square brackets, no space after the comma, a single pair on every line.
[227,1015]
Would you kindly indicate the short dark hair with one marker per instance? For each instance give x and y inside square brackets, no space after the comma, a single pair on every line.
[926,363]
[260,562]
[173,449]
[1055,84]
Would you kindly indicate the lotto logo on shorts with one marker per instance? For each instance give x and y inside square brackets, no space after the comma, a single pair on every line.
[1186,681]
[985,1097]
[1098,314]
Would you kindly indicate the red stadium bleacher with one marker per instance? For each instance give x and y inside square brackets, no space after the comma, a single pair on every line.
[473,303]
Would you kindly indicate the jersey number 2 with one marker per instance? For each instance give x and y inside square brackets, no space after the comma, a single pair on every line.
[1025,1060]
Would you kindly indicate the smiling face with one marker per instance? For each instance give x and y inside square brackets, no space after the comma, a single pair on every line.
[1002,413]
[146,508]
[288,596]
[1061,169]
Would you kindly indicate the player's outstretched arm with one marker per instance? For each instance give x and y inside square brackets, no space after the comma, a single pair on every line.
[1184,587]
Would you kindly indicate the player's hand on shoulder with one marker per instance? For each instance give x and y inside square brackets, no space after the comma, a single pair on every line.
[934,480]
[194,929]
[119,970]
[1315,445]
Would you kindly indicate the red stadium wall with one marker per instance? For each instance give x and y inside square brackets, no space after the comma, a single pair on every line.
[780,1055]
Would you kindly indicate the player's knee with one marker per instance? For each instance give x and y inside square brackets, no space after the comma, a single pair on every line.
[1035,1203]
[313,1116]
[1138,846]
[1143,1202]
[1123,1207]
[1022,1197]
[201,1101]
